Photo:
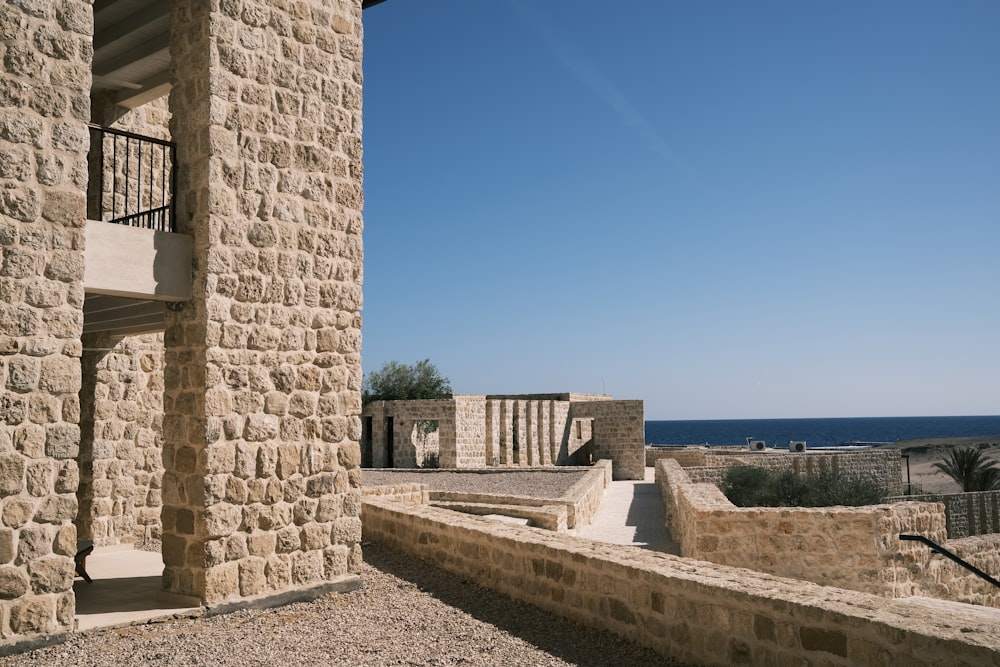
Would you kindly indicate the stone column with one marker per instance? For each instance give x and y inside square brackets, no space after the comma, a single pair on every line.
[44,106]
[491,433]
[544,429]
[262,401]
[529,437]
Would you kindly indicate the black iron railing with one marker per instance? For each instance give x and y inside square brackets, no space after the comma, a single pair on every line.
[947,554]
[132,179]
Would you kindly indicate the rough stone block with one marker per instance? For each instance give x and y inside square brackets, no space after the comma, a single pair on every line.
[32,615]
[51,575]
[252,578]
[236,547]
[57,509]
[35,541]
[278,572]
[261,544]
[314,536]
[346,530]
[288,461]
[62,441]
[307,567]
[349,455]
[288,540]
[222,519]
[221,582]
[335,561]
[11,474]
[13,582]
[30,440]
[174,550]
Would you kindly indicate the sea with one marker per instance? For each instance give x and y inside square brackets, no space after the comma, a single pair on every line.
[817,432]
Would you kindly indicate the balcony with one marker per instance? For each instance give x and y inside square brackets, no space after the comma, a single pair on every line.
[134,261]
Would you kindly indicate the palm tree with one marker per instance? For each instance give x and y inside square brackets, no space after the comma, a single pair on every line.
[970,470]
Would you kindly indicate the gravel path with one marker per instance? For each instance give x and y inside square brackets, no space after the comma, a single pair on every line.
[534,484]
[406,613]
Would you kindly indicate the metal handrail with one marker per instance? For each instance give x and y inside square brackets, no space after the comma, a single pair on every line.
[136,200]
[947,554]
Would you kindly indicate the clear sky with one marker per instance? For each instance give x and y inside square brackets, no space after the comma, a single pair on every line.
[726,209]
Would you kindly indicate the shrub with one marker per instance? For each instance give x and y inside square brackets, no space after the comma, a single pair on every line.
[747,486]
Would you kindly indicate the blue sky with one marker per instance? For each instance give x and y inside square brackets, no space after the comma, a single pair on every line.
[726,209]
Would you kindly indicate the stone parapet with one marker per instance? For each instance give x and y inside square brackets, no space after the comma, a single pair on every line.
[968,514]
[850,547]
[708,464]
[417,494]
[696,612]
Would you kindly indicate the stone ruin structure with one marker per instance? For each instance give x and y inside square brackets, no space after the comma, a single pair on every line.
[180,275]
[527,430]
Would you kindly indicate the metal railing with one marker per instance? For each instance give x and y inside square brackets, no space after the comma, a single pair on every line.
[947,554]
[132,179]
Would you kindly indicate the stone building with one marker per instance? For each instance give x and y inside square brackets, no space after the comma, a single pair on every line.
[181,293]
[527,430]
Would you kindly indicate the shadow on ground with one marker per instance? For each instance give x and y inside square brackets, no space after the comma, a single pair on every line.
[560,637]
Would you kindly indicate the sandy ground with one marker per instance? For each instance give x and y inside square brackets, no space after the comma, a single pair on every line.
[923,454]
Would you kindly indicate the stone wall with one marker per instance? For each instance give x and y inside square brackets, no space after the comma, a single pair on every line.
[121,462]
[708,464]
[262,372]
[409,448]
[968,514]
[619,434]
[470,432]
[851,547]
[696,612]
[513,431]
[44,106]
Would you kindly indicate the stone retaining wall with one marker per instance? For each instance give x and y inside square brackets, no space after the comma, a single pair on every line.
[967,514]
[851,547]
[693,611]
[417,494]
[882,466]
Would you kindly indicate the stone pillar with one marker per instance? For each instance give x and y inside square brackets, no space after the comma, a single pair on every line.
[262,401]
[521,430]
[505,433]
[491,433]
[544,429]
[46,51]
[529,436]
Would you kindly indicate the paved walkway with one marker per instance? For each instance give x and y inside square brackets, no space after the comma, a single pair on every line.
[631,513]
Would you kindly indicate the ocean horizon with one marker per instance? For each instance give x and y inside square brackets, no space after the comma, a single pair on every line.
[816,432]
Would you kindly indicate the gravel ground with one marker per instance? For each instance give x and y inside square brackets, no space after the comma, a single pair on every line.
[406,613]
[534,484]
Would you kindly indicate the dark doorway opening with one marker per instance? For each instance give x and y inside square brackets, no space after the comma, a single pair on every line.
[366,442]
[389,440]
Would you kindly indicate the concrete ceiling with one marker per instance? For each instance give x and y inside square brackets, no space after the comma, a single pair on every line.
[132,49]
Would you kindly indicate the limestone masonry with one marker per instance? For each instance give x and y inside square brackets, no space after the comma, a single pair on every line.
[233,434]
[476,431]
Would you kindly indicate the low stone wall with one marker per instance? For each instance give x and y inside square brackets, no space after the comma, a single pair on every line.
[582,500]
[548,517]
[967,514]
[417,494]
[882,466]
[850,547]
[694,611]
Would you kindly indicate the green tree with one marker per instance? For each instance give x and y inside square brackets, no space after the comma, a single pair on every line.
[968,467]
[402,382]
